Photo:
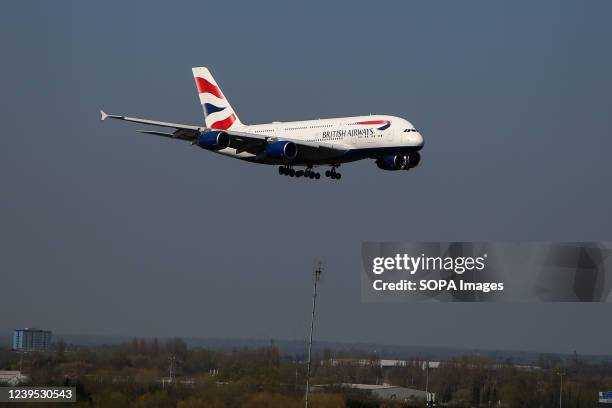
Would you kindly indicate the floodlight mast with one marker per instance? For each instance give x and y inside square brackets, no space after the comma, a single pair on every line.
[561,373]
[318,268]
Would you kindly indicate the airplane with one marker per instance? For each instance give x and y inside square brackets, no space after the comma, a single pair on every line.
[392,142]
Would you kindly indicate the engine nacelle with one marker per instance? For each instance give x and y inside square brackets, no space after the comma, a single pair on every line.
[213,140]
[412,160]
[395,162]
[399,162]
[282,150]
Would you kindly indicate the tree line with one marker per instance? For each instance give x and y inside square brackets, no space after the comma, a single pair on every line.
[154,373]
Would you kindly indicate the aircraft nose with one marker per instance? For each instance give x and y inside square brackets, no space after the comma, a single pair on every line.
[417,139]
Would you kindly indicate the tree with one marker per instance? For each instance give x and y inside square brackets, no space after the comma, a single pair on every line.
[60,348]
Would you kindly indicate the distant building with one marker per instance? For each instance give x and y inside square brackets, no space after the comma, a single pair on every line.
[384,363]
[12,378]
[385,392]
[363,362]
[31,340]
[406,363]
[391,392]
[527,367]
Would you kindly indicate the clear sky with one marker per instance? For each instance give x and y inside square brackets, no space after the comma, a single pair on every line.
[107,231]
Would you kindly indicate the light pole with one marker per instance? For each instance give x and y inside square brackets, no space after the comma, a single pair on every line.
[427,396]
[427,378]
[317,275]
[561,374]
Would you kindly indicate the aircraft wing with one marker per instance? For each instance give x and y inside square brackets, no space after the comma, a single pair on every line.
[182,132]
[241,141]
[255,144]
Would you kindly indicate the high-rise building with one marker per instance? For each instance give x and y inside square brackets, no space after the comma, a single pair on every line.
[31,340]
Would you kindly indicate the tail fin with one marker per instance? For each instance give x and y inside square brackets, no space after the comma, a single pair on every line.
[217,109]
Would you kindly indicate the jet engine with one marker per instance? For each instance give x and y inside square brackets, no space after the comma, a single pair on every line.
[282,150]
[395,162]
[213,140]
[399,162]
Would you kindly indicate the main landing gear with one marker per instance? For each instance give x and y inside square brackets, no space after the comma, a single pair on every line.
[333,174]
[289,171]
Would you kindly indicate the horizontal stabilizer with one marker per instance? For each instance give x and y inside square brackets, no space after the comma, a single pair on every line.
[153,132]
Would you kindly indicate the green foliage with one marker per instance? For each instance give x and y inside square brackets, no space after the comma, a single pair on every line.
[136,374]
[154,399]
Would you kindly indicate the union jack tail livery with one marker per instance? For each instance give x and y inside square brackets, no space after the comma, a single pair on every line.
[218,112]
[298,148]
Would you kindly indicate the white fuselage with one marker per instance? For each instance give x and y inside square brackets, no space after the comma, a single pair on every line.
[363,136]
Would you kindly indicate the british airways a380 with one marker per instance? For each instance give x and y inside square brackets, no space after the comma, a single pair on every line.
[298,148]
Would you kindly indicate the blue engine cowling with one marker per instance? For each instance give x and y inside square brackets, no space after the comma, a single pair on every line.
[399,162]
[395,162]
[282,150]
[213,140]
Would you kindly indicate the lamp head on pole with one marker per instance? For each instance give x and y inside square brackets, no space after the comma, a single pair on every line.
[318,269]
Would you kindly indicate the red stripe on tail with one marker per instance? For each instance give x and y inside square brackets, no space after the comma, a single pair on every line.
[225,123]
[206,87]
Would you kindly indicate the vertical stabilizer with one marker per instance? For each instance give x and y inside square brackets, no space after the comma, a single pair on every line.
[218,112]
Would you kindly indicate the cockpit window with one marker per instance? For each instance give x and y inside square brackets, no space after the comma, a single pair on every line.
[409,130]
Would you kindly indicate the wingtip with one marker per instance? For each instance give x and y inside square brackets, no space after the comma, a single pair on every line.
[103,115]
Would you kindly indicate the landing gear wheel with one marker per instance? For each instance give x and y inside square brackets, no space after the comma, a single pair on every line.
[299,173]
[292,172]
[331,173]
[338,176]
[281,170]
[317,176]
